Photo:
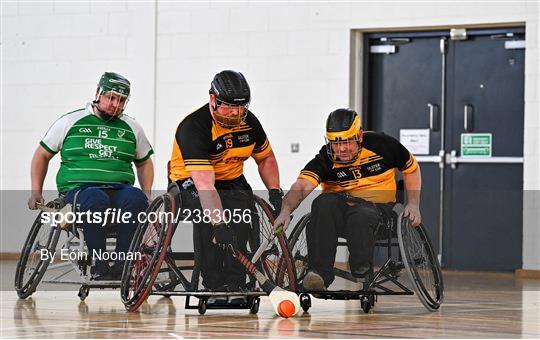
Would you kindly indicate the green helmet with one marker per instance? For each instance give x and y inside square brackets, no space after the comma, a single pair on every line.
[114,82]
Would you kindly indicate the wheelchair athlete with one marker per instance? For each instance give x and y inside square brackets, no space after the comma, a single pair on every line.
[98,145]
[357,173]
[209,150]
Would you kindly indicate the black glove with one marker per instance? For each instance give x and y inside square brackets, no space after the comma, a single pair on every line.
[275,196]
[224,235]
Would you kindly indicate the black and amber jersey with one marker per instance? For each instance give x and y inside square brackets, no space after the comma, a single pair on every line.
[371,176]
[202,144]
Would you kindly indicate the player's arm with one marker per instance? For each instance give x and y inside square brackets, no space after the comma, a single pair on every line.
[145,175]
[204,181]
[38,171]
[413,185]
[298,192]
[409,167]
[268,170]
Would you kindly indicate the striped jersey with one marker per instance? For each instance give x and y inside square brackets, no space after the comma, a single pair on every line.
[95,151]
[371,176]
[202,144]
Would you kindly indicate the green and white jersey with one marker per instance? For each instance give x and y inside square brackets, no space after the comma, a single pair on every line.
[96,151]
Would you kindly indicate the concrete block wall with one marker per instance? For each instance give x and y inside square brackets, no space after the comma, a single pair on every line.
[53,54]
[296,57]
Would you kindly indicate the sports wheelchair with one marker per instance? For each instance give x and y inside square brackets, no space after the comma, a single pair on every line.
[67,258]
[157,272]
[415,255]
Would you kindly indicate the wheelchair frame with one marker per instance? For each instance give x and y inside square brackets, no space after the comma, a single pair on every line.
[75,243]
[389,272]
[172,202]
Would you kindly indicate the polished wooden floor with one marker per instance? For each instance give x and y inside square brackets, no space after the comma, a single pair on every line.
[477,305]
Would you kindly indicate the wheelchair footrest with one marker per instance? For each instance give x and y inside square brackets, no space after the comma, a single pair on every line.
[207,294]
[351,294]
[88,283]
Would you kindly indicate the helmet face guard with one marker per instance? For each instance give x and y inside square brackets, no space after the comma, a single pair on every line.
[344,151]
[343,136]
[229,115]
[113,99]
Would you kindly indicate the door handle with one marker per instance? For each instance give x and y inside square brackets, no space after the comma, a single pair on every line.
[433,117]
[468,118]
[452,159]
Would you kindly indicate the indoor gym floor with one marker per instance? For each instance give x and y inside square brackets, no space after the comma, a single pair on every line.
[476,305]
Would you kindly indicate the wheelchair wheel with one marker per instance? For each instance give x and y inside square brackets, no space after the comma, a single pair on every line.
[151,241]
[275,261]
[31,266]
[421,263]
[299,250]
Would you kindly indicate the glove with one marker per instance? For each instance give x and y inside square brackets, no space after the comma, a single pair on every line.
[224,235]
[275,196]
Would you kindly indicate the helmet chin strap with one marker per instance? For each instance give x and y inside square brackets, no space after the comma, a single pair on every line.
[104,115]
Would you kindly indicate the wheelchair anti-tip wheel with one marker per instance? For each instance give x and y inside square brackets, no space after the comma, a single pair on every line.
[32,265]
[421,263]
[305,301]
[83,292]
[151,241]
[254,305]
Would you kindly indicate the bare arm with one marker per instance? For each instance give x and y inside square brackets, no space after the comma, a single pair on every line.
[268,169]
[298,192]
[413,185]
[145,174]
[38,171]
[205,183]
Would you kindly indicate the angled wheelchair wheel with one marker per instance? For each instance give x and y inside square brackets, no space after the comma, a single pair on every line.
[299,250]
[151,241]
[275,260]
[31,265]
[421,263]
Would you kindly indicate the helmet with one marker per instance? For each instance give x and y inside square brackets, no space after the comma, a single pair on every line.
[114,82]
[232,95]
[113,85]
[343,127]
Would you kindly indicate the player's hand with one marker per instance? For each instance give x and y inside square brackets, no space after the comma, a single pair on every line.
[275,196]
[282,220]
[412,212]
[224,235]
[35,197]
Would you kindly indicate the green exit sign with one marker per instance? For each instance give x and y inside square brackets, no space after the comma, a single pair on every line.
[476,144]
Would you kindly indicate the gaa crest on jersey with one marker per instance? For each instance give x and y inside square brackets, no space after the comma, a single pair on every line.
[121,133]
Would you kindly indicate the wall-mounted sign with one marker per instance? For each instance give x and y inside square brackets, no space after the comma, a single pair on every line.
[476,144]
[415,140]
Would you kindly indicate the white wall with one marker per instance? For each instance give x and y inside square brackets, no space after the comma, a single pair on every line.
[52,57]
[295,56]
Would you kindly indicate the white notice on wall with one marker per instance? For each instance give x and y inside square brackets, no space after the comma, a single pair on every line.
[415,140]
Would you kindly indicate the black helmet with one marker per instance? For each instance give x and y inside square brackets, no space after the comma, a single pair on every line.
[343,125]
[231,88]
[232,93]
